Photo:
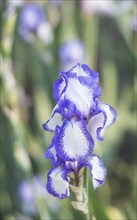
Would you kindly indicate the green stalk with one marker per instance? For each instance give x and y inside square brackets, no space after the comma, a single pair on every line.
[87,192]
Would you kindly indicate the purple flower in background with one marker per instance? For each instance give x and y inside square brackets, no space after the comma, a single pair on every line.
[27,198]
[71,52]
[32,20]
[32,15]
[78,121]
[31,190]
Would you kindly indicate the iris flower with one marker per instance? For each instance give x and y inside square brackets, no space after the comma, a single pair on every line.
[70,52]
[78,121]
[33,21]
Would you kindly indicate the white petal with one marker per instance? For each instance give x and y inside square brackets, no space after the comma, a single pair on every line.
[74,141]
[96,183]
[79,94]
[109,118]
[78,70]
[97,169]
[58,184]
[54,121]
[103,119]
[84,70]
[94,123]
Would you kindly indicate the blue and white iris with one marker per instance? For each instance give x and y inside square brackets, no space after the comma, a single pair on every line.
[78,122]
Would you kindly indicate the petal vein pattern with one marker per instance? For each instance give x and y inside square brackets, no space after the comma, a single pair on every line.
[80,95]
[74,141]
[59,87]
[76,91]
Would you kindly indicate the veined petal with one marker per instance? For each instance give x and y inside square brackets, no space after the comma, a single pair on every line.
[57,183]
[74,141]
[72,166]
[77,69]
[86,76]
[97,170]
[94,75]
[54,121]
[68,109]
[79,94]
[76,91]
[105,117]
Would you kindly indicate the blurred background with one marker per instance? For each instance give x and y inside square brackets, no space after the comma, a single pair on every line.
[38,40]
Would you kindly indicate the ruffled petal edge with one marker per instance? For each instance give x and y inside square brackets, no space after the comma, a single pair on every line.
[55,120]
[97,170]
[109,118]
[57,182]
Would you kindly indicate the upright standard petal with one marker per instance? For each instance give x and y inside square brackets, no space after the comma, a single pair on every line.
[74,141]
[54,121]
[59,87]
[79,94]
[97,170]
[76,91]
[57,183]
[104,117]
[84,70]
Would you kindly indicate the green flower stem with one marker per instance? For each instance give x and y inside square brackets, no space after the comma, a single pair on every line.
[87,191]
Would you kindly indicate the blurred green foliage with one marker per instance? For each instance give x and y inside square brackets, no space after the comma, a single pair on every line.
[28,71]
